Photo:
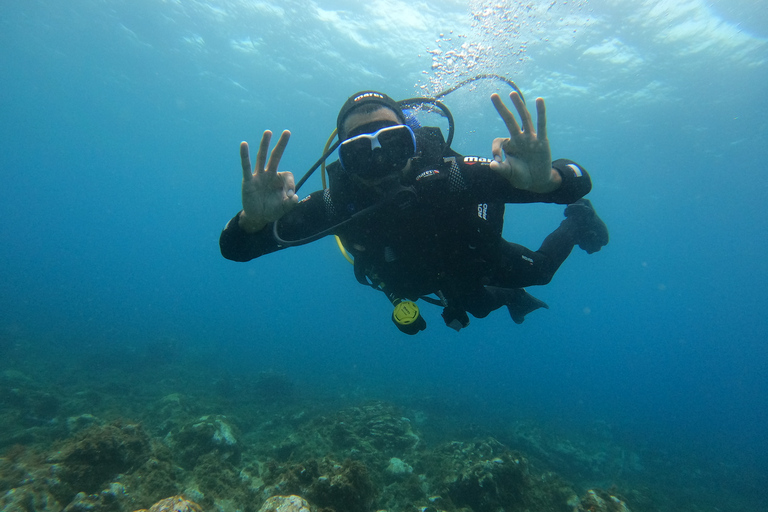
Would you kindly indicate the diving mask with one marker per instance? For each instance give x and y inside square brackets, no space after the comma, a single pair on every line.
[373,155]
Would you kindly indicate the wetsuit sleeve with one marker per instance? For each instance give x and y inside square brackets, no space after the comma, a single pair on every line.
[307,218]
[576,182]
[481,181]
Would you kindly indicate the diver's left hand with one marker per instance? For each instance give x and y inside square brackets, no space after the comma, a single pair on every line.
[524,158]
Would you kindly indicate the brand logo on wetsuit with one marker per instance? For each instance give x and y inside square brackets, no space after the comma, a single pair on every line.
[482,210]
[576,170]
[471,160]
[432,172]
[368,95]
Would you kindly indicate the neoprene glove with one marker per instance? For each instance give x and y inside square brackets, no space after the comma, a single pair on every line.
[591,231]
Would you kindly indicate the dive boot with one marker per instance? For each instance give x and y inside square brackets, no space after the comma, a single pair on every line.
[590,232]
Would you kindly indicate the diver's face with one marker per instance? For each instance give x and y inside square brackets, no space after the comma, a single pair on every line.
[377,168]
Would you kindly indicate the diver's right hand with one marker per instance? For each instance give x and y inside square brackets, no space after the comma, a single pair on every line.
[267,194]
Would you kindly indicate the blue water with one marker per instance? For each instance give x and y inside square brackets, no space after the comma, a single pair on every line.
[120,124]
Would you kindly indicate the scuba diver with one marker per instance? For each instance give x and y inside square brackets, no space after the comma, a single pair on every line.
[420,220]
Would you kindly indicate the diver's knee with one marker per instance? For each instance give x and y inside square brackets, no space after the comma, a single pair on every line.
[479,311]
[545,278]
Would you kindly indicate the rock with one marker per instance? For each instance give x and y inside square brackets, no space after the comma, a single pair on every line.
[94,456]
[375,428]
[113,498]
[488,485]
[485,476]
[596,500]
[345,487]
[207,435]
[285,504]
[341,486]
[398,467]
[28,497]
[175,504]
[77,424]
[171,412]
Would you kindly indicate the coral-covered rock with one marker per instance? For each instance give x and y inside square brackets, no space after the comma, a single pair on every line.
[175,504]
[91,459]
[29,497]
[285,504]
[374,433]
[208,435]
[397,467]
[374,427]
[171,412]
[597,500]
[219,481]
[82,422]
[158,476]
[490,484]
[111,499]
[343,487]
[486,476]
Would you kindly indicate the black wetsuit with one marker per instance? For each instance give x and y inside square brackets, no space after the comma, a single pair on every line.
[446,239]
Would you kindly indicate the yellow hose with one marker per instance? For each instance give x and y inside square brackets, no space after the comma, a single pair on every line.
[322,177]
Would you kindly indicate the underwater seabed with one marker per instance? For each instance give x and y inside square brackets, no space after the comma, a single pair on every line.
[118,432]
